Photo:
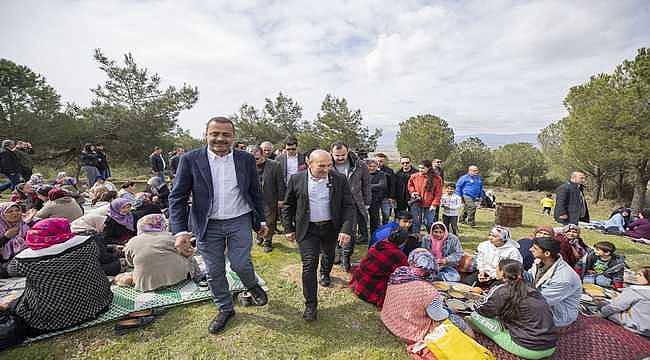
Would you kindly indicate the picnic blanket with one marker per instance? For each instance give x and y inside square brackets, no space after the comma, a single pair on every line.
[128,299]
[587,338]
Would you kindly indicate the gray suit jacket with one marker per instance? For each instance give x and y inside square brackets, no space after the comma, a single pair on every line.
[273,186]
[282,160]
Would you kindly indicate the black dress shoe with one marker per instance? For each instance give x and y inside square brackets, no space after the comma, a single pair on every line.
[310,313]
[325,280]
[219,322]
[259,296]
[267,248]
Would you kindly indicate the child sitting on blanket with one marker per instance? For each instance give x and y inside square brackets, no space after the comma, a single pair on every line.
[516,316]
[631,308]
[602,266]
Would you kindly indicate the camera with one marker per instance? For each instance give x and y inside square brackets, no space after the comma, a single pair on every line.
[415,199]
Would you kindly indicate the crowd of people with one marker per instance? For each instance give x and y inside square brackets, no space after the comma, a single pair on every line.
[330,201]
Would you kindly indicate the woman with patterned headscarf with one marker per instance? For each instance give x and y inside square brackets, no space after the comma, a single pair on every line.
[413,306]
[156,261]
[497,247]
[120,223]
[12,234]
[572,247]
[65,283]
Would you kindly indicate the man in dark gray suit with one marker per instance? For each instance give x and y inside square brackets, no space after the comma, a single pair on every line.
[291,161]
[570,204]
[226,203]
[273,188]
[318,212]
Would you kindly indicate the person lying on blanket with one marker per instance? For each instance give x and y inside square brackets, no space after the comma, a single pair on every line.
[516,316]
[631,308]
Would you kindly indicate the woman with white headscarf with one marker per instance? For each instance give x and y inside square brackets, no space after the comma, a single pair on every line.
[497,247]
[156,261]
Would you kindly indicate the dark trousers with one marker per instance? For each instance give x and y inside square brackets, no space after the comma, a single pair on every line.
[435,217]
[451,222]
[360,236]
[375,217]
[319,240]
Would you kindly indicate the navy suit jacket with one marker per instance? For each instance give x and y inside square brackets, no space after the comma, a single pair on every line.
[194,178]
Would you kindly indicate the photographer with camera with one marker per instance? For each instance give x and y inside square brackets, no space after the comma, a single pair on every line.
[425,189]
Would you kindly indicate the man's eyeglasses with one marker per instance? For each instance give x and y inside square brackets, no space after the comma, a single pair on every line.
[406,163]
[291,149]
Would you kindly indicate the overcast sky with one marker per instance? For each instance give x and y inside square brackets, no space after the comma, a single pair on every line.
[484,66]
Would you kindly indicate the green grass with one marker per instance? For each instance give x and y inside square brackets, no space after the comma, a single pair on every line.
[347,327]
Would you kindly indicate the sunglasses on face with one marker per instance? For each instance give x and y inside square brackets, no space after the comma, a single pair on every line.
[291,148]
[405,163]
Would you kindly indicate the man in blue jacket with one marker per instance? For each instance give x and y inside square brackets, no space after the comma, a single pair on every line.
[227,201]
[470,188]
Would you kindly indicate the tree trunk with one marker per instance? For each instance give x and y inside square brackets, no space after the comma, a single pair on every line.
[620,181]
[598,184]
[641,185]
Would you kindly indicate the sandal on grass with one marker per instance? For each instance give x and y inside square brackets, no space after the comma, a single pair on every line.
[128,325]
[146,312]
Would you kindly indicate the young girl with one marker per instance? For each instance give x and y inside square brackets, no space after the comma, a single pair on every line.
[631,308]
[547,204]
[516,316]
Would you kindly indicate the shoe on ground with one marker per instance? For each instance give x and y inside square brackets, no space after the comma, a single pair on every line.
[325,280]
[267,248]
[259,241]
[218,324]
[128,325]
[310,314]
[259,296]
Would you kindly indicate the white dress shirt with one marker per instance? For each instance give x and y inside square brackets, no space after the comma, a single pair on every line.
[227,203]
[292,166]
[319,198]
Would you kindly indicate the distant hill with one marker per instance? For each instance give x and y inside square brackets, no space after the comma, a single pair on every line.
[387,141]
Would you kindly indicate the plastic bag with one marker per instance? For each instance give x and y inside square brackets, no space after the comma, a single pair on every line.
[447,342]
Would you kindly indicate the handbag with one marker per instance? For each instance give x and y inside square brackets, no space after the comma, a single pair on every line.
[12,330]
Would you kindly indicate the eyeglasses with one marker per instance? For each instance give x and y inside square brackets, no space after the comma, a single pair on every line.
[406,163]
[291,148]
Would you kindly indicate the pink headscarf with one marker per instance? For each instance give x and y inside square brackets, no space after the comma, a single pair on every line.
[48,232]
[437,245]
[115,214]
[17,243]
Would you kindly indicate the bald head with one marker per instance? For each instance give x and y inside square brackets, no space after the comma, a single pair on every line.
[320,163]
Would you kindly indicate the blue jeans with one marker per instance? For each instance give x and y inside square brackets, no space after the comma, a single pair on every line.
[600,280]
[236,235]
[422,215]
[386,209]
[448,273]
[14,179]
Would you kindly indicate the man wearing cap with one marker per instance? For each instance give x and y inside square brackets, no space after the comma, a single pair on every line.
[556,280]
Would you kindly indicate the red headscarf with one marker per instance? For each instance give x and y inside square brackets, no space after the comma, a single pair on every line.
[56,193]
[48,232]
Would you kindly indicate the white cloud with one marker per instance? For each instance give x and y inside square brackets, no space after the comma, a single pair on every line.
[485,66]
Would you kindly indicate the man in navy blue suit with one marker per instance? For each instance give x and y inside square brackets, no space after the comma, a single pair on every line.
[227,202]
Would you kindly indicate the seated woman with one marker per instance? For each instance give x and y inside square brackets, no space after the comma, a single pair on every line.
[156,261]
[103,203]
[13,231]
[25,196]
[65,285]
[572,248]
[60,205]
[36,180]
[41,196]
[127,191]
[370,278]
[446,248]
[413,306]
[159,192]
[602,266]
[498,246]
[91,222]
[631,308]
[526,243]
[516,316]
[144,206]
[640,229]
[119,226]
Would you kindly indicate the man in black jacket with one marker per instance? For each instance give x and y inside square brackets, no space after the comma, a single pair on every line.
[158,163]
[570,203]
[318,212]
[379,190]
[273,189]
[402,176]
[173,162]
[9,164]
[389,203]
[104,169]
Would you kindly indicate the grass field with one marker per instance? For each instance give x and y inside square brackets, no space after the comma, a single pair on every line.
[347,327]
